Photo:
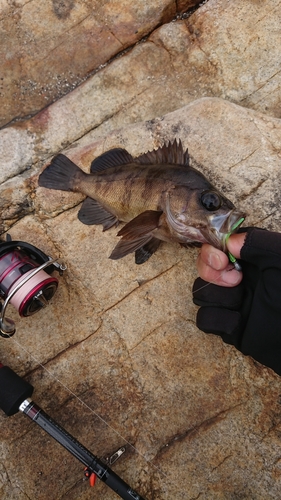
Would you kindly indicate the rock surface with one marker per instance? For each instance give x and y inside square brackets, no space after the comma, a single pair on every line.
[48,48]
[121,338]
[116,357]
[224,49]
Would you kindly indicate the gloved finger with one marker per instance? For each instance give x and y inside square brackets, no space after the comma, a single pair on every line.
[208,294]
[218,321]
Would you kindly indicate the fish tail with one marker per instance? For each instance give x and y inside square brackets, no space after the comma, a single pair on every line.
[60,174]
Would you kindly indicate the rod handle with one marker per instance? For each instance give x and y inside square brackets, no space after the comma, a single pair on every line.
[13,390]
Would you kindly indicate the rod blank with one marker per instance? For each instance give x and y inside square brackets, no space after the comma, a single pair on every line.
[14,394]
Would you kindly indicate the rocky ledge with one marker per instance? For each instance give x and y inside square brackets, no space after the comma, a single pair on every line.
[116,357]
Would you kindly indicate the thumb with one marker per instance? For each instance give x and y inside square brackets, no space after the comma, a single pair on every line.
[235,243]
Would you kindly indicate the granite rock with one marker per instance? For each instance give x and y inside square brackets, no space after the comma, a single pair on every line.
[116,357]
[48,48]
[207,54]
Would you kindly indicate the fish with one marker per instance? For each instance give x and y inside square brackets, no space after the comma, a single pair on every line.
[158,196]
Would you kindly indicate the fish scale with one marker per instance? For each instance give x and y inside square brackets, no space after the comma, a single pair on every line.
[158,194]
[116,191]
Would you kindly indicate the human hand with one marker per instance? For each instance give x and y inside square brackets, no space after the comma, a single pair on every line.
[243,307]
[213,265]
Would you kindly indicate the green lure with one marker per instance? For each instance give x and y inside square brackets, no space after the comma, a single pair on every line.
[231,257]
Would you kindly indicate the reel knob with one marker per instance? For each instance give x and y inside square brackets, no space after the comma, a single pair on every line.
[7,327]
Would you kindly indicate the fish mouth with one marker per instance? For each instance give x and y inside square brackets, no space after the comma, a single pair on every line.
[216,232]
[222,226]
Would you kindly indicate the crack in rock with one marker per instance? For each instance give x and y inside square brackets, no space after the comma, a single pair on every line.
[197,429]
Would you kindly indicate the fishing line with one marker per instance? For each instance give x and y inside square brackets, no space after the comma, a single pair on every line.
[231,257]
[213,282]
[74,395]
[89,408]
[50,374]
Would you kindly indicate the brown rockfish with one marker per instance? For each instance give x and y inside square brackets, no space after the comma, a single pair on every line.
[157,194]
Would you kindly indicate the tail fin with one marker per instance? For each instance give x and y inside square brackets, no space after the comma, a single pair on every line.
[60,174]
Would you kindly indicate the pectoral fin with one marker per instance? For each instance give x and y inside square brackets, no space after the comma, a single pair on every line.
[124,247]
[136,234]
[141,225]
[92,212]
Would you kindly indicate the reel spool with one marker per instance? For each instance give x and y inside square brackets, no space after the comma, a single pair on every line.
[25,280]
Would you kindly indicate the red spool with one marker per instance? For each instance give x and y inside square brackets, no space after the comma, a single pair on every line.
[15,265]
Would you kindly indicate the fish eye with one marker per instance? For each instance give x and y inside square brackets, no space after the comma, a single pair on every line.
[211,201]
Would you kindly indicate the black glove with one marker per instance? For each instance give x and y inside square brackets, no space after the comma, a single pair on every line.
[248,316]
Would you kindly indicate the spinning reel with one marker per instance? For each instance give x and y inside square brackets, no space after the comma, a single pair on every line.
[25,280]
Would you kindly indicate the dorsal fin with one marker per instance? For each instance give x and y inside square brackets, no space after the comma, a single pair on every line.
[167,154]
[112,158]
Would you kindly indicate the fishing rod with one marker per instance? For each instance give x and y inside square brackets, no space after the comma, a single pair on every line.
[26,282]
[15,394]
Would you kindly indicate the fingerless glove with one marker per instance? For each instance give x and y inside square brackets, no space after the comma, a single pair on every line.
[248,316]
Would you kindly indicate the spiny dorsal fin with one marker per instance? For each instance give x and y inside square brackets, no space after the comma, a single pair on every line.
[112,158]
[171,153]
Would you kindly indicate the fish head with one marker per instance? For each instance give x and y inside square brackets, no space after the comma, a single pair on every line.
[201,215]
